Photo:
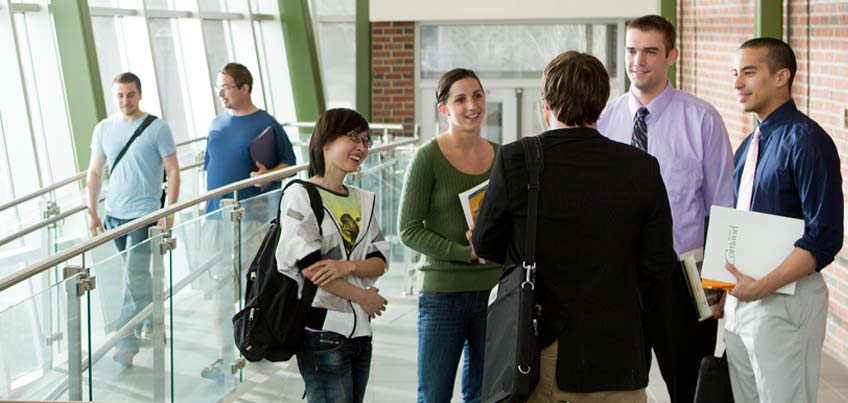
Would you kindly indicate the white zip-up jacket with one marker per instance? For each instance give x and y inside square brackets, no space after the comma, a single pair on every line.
[299,237]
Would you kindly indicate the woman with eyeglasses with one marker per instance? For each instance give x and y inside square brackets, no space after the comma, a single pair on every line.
[345,262]
[453,298]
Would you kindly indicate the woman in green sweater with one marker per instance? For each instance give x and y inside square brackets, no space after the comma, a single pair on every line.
[453,298]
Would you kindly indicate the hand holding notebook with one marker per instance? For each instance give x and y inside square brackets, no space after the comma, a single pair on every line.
[263,149]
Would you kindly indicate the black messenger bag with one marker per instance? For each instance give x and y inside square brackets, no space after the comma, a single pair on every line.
[511,367]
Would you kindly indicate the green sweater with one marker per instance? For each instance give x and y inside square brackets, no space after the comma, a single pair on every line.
[431,222]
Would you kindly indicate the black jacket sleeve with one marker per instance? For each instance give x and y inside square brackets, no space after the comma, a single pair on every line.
[493,230]
[657,258]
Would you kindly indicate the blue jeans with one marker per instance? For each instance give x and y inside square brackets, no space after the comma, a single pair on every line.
[334,368]
[448,324]
[138,284]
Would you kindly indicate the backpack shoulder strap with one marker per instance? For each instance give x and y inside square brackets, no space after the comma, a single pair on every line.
[147,121]
[314,201]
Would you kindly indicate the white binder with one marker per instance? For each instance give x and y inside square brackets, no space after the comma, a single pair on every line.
[754,242]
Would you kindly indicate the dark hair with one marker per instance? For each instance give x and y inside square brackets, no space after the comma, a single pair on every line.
[780,55]
[448,79]
[332,124]
[576,88]
[659,24]
[126,78]
[240,74]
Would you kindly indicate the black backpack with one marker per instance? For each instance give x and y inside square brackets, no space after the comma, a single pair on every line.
[271,324]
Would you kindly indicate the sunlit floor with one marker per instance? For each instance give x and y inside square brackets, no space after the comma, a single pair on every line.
[393,368]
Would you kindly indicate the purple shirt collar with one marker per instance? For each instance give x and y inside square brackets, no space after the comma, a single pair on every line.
[656,107]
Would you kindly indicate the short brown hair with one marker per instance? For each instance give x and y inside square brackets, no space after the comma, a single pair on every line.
[576,87]
[656,23]
[780,55]
[332,124]
[448,79]
[126,78]
[240,74]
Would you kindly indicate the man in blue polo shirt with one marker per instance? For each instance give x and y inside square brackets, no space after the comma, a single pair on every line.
[228,160]
[789,167]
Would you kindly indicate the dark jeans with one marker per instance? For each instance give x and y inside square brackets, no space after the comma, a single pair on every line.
[448,324]
[672,329]
[138,284]
[334,368]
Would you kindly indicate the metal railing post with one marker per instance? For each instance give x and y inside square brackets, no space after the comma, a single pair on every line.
[161,244]
[75,290]
[236,216]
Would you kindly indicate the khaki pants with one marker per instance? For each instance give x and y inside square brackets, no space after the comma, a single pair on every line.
[548,392]
[774,345]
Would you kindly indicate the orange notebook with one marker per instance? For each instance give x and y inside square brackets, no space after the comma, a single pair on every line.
[717,285]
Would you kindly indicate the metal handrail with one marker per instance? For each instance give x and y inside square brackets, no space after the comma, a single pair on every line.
[66,214]
[372,126]
[68,181]
[375,126]
[189,141]
[44,191]
[52,261]
[42,224]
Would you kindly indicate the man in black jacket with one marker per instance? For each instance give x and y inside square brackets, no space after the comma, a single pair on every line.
[604,230]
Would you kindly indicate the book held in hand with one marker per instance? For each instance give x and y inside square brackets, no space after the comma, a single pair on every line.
[263,150]
[471,201]
[703,299]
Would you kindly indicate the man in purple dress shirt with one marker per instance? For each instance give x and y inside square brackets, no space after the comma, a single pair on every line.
[688,138]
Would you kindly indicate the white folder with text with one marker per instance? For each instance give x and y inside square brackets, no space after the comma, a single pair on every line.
[755,243]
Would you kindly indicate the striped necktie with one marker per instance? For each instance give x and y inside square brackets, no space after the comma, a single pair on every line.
[640,130]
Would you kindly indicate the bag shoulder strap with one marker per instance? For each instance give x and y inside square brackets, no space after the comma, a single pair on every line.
[147,121]
[533,157]
[315,201]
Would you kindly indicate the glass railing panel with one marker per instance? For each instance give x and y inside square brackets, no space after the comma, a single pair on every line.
[192,183]
[190,153]
[20,217]
[34,343]
[122,351]
[203,301]
[70,197]
[393,368]
[258,212]
[71,231]
[23,252]
[382,173]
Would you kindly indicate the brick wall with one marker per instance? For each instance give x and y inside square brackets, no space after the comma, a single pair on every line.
[709,35]
[818,31]
[393,66]
[710,32]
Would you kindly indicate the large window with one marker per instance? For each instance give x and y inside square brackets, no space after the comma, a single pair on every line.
[335,34]
[178,47]
[509,59]
[512,50]
[35,137]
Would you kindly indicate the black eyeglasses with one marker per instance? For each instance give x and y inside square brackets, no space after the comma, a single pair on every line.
[360,138]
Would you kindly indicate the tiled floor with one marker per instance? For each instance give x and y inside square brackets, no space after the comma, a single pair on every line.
[393,368]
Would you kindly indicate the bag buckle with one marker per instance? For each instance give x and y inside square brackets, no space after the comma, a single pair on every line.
[534,187]
[530,276]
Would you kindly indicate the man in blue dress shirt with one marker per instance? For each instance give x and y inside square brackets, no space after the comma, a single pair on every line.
[688,138]
[789,167]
